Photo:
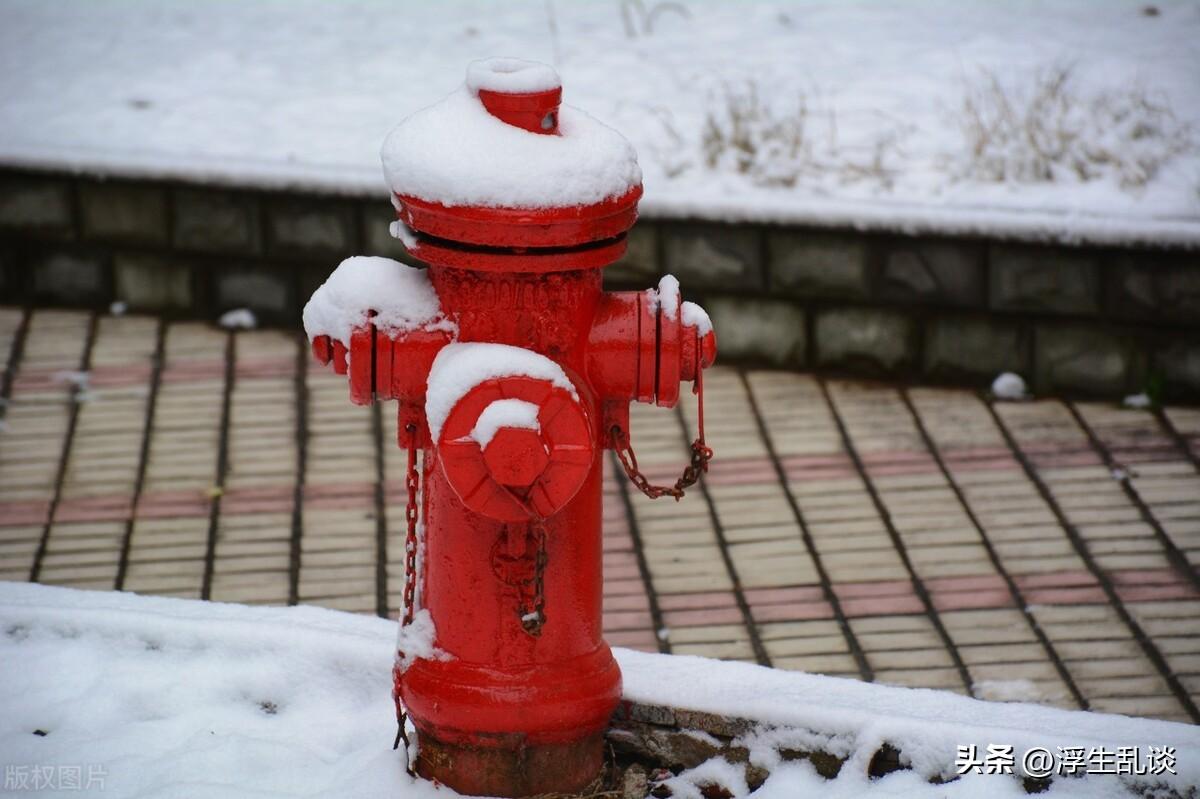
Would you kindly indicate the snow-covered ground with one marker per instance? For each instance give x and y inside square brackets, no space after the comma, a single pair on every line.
[154,697]
[927,114]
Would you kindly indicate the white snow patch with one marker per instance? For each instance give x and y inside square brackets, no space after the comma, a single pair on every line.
[709,774]
[77,379]
[238,319]
[692,315]
[1009,386]
[511,76]
[1138,401]
[416,641]
[459,367]
[666,296]
[295,702]
[266,94]
[118,308]
[456,153]
[406,235]
[401,296]
[504,413]
[1007,690]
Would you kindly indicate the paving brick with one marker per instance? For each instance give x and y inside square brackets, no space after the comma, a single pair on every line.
[261,290]
[766,331]
[35,203]
[1154,287]
[1081,358]
[961,347]
[70,276]
[713,256]
[124,212]
[152,283]
[933,272]
[804,264]
[875,341]
[209,220]
[296,225]
[1043,279]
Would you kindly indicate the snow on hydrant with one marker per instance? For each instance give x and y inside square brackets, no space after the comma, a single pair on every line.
[513,370]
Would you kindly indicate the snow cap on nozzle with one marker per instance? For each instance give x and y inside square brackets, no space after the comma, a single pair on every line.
[522,93]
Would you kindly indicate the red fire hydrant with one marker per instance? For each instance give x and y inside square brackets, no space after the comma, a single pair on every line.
[513,370]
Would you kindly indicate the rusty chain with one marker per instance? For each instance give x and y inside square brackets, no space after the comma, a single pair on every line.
[701,453]
[534,617]
[533,614]
[411,515]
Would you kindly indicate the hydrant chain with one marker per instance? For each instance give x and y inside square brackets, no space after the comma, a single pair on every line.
[412,483]
[701,455]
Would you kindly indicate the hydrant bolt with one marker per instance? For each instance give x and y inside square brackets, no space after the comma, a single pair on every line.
[516,456]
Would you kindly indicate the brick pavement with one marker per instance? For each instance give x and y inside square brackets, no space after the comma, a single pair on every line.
[1043,551]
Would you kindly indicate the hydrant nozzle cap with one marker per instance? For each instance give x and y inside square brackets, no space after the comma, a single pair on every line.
[525,94]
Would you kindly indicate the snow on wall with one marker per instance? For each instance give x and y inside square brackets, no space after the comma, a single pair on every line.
[456,153]
[460,367]
[854,719]
[272,95]
[402,298]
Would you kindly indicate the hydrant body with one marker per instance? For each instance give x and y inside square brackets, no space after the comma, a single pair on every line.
[512,391]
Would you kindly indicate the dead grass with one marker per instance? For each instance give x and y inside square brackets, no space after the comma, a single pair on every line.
[799,144]
[1044,128]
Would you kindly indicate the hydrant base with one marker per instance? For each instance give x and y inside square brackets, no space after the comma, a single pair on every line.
[509,768]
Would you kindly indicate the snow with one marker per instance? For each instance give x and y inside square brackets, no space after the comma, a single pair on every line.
[851,718]
[238,319]
[406,235]
[415,641]
[511,76]
[173,697]
[504,413]
[1138,401]
[401,297]
[75,379]
[456,153]
[692,315]
[459,367]
[666,296]
[1009,386]
[300,95]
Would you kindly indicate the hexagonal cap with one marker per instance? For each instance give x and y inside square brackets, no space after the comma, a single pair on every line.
[516,456]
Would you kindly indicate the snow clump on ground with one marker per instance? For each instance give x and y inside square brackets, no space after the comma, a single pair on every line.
[1009,386]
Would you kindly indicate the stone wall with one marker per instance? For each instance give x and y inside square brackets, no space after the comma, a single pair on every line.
[1078,320]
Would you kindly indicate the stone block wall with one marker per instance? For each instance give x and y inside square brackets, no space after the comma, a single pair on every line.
[1078,320]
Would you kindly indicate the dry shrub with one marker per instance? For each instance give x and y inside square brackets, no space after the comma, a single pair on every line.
[800,144]
[1045,129]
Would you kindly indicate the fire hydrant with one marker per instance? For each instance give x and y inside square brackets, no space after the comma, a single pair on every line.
[513,371]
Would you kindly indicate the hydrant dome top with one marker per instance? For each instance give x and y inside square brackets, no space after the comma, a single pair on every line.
[457,154]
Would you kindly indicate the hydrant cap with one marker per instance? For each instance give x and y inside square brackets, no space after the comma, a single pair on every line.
[502,163]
